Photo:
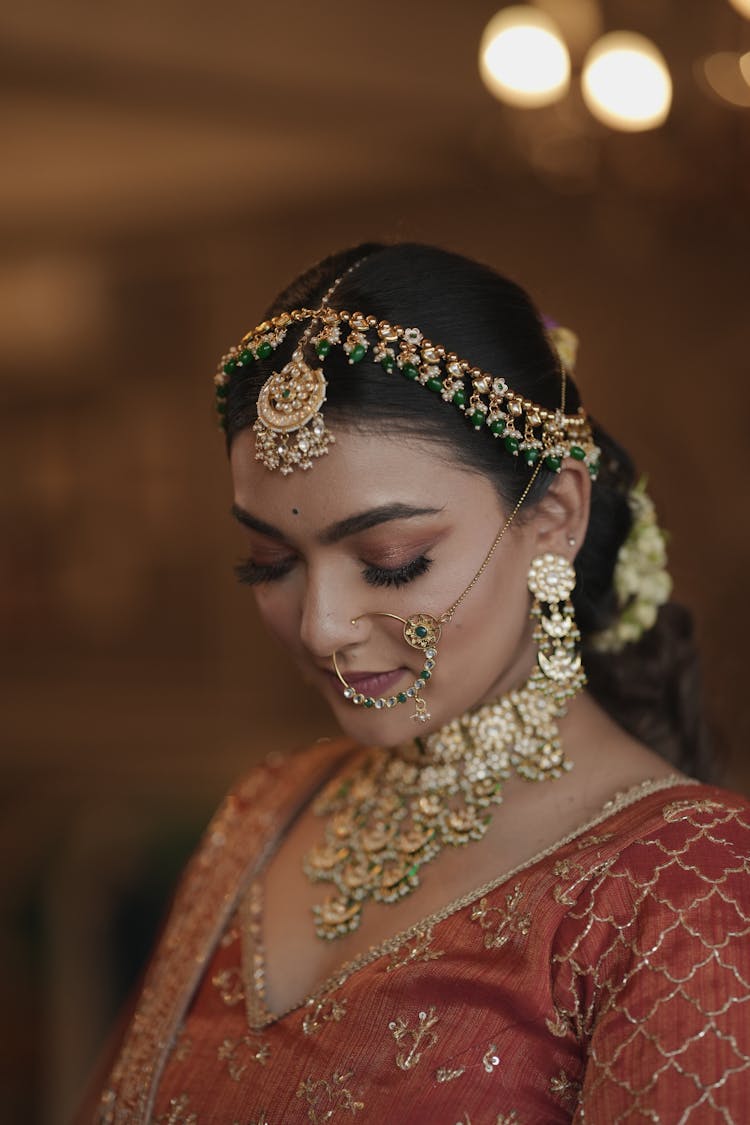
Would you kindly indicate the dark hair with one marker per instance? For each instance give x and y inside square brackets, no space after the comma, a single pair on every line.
[650,687]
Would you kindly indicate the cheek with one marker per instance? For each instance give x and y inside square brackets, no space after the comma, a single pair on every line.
[279,613]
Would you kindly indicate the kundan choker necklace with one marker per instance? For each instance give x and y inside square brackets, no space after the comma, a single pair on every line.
[398,809]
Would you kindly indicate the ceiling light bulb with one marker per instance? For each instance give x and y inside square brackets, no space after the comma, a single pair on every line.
[626,82]
[522,58]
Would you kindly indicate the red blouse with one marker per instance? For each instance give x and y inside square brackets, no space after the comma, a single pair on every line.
[606,980]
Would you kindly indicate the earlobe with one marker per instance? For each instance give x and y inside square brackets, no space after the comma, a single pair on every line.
[562,515]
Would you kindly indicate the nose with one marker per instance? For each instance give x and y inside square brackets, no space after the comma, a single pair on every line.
[328,611]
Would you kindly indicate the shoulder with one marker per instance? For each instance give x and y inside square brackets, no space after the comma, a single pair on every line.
[289,771]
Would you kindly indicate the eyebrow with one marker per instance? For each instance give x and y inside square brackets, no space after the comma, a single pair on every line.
[352,525]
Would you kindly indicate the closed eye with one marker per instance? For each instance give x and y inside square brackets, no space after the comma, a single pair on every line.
[251,573]
[397,576]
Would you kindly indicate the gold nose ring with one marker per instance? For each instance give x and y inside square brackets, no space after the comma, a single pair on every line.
[421,631]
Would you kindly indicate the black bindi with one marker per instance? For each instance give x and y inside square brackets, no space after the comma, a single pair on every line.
[295,511]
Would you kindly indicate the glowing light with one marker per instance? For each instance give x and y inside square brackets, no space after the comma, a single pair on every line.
[741,6]
[522,58]
[626,82]
[745,66]
[727,74]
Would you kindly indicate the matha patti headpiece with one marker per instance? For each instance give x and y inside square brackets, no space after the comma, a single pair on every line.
[290,429]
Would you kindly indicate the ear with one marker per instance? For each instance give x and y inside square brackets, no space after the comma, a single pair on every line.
[562,515]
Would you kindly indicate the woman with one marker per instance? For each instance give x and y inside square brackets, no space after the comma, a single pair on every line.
[521,908]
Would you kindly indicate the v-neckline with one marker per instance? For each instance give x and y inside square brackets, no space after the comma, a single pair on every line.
[260,1016]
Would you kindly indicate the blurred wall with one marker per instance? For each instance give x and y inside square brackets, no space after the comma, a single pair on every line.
[159,188]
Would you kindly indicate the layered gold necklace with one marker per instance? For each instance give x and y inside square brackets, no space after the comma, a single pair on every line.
[397,809]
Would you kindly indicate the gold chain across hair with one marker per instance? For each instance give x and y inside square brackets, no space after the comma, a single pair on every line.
[290,429]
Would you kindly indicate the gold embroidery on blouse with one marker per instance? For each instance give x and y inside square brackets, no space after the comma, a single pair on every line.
[183,1046]
[325,1099]
[490,1059]
[559,1026]
[511,1118]
[679,810]
[260,1016]
[571,875]
[667,968]
[230,937]
[447,1073]
[414,1041]
[325,1009]
[499,923]
[251,1050]
[566,1089]
[229,984]
[177,1113]
[417,948]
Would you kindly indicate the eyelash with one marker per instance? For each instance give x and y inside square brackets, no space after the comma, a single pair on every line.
[250,573]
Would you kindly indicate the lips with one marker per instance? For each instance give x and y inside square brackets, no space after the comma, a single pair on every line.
[371,683]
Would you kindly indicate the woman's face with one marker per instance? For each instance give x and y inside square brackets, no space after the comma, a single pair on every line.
[383,525]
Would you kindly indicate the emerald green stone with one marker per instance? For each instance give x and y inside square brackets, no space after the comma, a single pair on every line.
[221,407]
[421,631]
[388,363]
[425,674]
[402,697]
[593,471]
[434,384]
[285,393]
[230,366]
[222,390]
[322,348]
[357,353]
[246,356]
[409,370]
[459,398]
[577,452]
[498,427]
[511,444]
[531,456]
[369,702]
[412,870]
[553,463]
[477,419]
[264,350]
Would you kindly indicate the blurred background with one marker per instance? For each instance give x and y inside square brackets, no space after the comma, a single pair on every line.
[167,166]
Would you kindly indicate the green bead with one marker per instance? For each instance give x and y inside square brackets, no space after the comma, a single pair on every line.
[286,392]
[577,452]
[357,353]
[531,456]
[434,384]
[402,697]
[477,419]
[221,407]
[230,366]
[222,390]
[593,471]
[498,427]
[409,370]
[459,398]
[263,350]
[246,356]
[553,463]
[421,631]
[511,444]
[322,348]
[425,674]
[369,702]
[388,363]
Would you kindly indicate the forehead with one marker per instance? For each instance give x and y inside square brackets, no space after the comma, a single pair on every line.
[359,471]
